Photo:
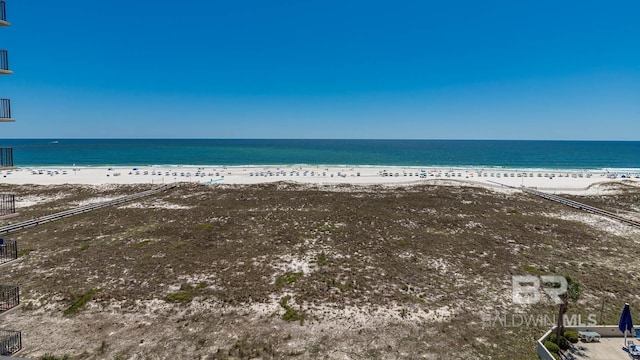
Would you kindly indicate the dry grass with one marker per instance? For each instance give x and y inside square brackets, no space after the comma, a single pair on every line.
[378,272]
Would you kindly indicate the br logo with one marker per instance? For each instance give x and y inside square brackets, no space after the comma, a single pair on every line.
[526,289]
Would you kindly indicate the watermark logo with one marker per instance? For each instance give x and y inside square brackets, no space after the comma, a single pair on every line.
[543,320]
[526,288]
[529,289]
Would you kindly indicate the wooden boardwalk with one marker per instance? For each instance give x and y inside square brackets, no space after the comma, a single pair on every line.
[575,204]
[82,209]
[581,206]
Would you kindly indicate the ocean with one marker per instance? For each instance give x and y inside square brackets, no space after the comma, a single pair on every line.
[230,152]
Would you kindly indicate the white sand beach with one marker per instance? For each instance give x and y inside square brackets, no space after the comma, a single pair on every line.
[550,180]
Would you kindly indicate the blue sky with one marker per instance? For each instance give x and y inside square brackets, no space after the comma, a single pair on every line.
[323,69]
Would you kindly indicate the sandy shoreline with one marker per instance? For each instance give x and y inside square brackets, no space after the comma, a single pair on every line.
[571,180]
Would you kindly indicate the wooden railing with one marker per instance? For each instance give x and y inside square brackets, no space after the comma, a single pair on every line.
[574,204]
[581,206]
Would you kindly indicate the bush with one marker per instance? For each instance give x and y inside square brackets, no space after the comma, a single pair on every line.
[291,314]
[80,302]
[53,357]
[185,295]
[561,342]
[180,297]
[552,347]
[571,335]
[288,278]
[322,258]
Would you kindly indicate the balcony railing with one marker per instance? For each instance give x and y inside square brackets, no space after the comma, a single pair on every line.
[9,297]
[5,110]
[7,205]
[4,61]
[8,250]
[10,342]
[6,157]
[3,11]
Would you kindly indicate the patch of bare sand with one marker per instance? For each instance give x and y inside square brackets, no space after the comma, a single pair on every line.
[95,200]
[31,200]
[159,204]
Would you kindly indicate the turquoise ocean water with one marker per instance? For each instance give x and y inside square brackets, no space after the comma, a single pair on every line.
[449,153]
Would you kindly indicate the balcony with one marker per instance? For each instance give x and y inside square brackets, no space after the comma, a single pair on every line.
[6,157]
[9,297]
[10,342]
[4,63]
[8,252]
[5,111]
[3,14]
[7,205]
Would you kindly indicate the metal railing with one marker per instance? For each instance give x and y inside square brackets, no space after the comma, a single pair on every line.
[8,250]
[7,204]
[10,342]
[4,60]
[5,109]
[3,11]
[6,157]
[9,297]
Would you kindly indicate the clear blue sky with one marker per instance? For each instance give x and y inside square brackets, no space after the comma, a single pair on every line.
[323,69]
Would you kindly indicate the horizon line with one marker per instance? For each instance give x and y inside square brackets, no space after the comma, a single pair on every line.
[323,139]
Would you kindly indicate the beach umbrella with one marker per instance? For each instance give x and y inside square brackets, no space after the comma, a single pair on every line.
[625,322]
